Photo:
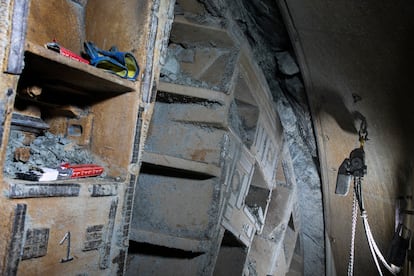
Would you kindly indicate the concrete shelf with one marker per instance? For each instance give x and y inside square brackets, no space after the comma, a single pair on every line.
[179,163]
[58,72]
[190,31]
[194,92]
[170,241]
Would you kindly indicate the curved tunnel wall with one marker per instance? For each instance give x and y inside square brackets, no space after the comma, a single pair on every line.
[355,59]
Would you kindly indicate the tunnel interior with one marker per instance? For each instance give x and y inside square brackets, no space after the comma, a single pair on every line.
[243,147]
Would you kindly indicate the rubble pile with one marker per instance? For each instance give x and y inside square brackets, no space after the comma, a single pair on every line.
[47,151]
[172,72]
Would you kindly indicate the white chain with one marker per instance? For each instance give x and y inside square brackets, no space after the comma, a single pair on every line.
[354,223]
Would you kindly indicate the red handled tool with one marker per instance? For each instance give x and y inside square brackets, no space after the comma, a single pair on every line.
[54,46]
[65,171]
[78,171]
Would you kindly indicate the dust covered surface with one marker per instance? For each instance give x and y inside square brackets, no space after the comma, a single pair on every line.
[46,150]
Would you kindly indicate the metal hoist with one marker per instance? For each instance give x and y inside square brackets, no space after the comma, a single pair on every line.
[354,168]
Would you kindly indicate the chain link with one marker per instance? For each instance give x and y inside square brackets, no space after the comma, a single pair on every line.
[363,132]
[354,224]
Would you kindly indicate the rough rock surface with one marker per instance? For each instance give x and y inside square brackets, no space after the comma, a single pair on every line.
[172,71]
[309,188]
[264,29]
[171,68]
[286,63]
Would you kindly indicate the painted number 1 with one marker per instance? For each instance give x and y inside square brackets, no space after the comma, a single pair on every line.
[68,258]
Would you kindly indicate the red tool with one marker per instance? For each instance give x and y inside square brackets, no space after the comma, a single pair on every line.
[65,171]
[78,171]
[54,46]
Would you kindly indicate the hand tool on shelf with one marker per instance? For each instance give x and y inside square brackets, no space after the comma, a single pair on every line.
[64,171]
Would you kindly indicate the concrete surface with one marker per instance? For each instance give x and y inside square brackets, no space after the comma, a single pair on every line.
[355,57]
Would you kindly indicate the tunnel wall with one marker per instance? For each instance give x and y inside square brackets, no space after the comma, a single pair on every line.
[353,57]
